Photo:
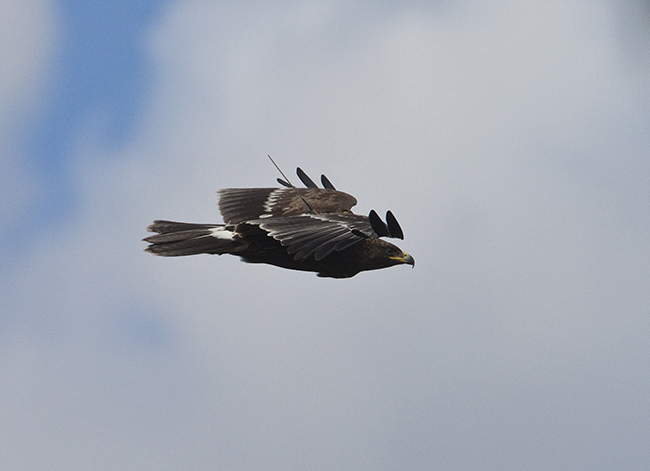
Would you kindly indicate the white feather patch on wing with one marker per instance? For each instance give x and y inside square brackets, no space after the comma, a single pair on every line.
[272,199]
[221,233]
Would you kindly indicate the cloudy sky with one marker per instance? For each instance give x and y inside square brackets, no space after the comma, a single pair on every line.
[510,138]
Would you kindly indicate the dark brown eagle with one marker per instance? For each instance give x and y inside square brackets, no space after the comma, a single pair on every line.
[310,229]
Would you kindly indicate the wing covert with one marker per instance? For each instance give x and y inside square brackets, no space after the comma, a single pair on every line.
[243,204]
[317,235]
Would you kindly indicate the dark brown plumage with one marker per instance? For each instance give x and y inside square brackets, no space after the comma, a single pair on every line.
[309,229]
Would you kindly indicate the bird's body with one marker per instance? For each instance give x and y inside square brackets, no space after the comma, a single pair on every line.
[308,229]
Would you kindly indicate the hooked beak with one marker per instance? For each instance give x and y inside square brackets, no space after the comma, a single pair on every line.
[405,258]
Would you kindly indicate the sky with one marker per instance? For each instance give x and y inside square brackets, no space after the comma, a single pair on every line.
[510,139]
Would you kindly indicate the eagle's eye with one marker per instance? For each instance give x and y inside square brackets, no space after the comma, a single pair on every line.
[392,252]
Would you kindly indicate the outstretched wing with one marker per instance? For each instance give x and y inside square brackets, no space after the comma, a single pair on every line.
[317,234]
[244,204]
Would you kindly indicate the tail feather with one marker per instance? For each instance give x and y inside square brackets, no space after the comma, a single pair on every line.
[175,239]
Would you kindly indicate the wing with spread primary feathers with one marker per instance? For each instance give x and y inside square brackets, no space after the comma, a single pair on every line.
[244,204]
[317,235]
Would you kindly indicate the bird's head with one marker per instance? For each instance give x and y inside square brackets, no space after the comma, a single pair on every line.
[382,254]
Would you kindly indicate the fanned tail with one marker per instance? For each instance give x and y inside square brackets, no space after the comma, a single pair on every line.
[175,239]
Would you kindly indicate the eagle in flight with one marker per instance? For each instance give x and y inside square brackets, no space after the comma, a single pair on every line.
[309,229]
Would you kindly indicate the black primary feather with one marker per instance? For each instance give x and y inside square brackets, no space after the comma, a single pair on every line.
[326,183]
[308,182]
[378,225]
[393,226]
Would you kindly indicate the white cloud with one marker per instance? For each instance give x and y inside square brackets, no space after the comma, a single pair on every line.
[506,139]
[27,42]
